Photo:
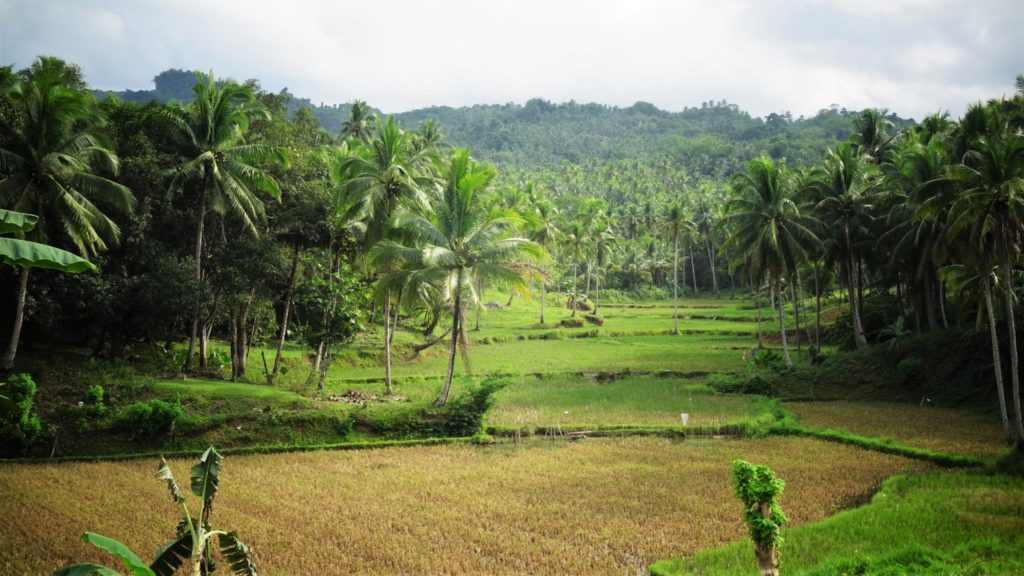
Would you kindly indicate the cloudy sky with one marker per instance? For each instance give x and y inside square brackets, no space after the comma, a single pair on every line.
[911,56]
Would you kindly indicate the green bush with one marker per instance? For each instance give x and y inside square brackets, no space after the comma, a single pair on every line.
[594,319]
[151,418]
[755,383]
[571,323]
[20,426]
[910,370]
[463,415]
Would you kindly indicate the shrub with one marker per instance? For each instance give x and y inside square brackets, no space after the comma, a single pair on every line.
[910,370]
[151,418]
[756,383]
[19,424]
[571,323]
[594,319]
[462,416]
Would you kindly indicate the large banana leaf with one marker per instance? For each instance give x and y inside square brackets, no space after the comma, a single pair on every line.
[36,255]
[132,562]
[237,554]
[86,570]
[173,555]
[164,473]
[204,474]
[11,221]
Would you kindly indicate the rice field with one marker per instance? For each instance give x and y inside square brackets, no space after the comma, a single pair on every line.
[588,507]
[940,429]
[630,400]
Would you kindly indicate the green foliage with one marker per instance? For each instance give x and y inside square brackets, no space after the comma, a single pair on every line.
[593,319]
[756,382]
[759,490]
[151,418]
[190,545]
[910,369]
[19,424]
[571,323]
[462,416]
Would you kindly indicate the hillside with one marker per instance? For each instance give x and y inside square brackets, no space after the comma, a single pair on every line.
[710,140]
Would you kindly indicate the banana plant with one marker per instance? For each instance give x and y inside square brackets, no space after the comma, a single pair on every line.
[192,536]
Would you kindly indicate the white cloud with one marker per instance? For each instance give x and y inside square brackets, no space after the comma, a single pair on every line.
[912,56]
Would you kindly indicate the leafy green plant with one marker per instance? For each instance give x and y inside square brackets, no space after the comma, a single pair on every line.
[19,424]
[191,543]
[759,490]
[151,418]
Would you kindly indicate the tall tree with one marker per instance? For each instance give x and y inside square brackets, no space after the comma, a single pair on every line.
[375,180]
[360,122]
[458,243]
[220,168]
[770,230]
[844,190]
[54,163]
[673,223]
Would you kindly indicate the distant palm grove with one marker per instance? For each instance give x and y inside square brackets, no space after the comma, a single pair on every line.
[211,209]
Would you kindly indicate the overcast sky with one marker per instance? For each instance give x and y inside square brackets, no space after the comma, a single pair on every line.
[911,56]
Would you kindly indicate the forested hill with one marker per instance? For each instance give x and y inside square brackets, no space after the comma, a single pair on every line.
[711,140]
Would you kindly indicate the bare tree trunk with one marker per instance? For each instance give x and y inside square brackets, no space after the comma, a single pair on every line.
[1011,329]
[597,290]
[817,313]
[796,309]
[480,291]
[675,285]
[19,318]
[782,326]
[575,292]
[693,270]
[198,266]
[711,263]
[854,290]
[283,332]
[387,341]
[453,350]
[760,334]
[997,363]
[543,297]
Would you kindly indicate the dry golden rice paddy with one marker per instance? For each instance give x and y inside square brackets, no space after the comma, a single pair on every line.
[928,427]
[589,507]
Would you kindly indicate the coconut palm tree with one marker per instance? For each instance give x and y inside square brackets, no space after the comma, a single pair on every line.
[542,222]
[374,181]
[457,244]
[54,163]
[844,192]
[220,168]
[360,122]
[770,230]
[673,223]
[992,199]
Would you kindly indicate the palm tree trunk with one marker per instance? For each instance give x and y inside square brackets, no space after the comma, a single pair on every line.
[693,269]
[675,285]
[454,348]
[997,364]
[575,277]
[782,326]
[817,313]
[757,297]
[283,332]
[854,291]
[387,340]
[711,263]
[543,296]
[198,265]
[597,290]
[1011,329]
[796,309]
[19,318]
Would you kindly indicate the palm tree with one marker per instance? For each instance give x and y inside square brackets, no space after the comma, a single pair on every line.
[576,235]
[705,224]
[992,176]
[220,168]
[770,230]
[844,192]
[360,122]
[458,244]
[52,162]
[542,221]
[375,180]
[673,223]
